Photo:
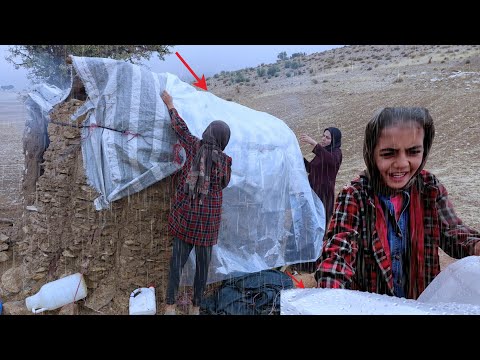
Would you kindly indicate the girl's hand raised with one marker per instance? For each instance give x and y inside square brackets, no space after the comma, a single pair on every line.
[167,99]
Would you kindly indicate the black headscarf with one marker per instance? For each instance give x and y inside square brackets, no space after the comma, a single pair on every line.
[214,140]
[217,133]
[336,139]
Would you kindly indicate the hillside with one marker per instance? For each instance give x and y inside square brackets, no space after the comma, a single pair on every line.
[341,87]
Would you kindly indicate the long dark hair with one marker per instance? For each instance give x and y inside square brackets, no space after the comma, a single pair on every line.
[385,118]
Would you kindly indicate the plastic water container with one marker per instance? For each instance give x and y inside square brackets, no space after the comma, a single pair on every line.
[58,293]
[142,301]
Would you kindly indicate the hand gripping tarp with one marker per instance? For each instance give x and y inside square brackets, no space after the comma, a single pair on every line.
[270,215]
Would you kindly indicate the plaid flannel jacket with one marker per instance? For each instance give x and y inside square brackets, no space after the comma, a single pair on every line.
[190,221]
[353,256]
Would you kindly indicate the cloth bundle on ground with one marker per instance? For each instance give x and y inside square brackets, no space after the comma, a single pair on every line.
[252,294]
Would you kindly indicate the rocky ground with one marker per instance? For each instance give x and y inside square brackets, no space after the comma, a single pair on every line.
[341,87]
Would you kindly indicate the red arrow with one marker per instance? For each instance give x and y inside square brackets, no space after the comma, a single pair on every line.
[201,83]
[298,284]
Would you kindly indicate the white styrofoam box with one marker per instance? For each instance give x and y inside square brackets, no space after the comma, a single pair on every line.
[318,301]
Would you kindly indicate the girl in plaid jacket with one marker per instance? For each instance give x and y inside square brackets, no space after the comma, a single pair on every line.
[389,222]
[195,215]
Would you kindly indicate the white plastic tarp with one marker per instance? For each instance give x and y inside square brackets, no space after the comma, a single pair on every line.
[39,102]
[270,215]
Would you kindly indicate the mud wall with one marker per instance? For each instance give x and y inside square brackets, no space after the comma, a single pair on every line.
[118,250]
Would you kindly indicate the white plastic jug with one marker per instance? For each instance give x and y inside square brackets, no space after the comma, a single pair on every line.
[58,293]
[142,301]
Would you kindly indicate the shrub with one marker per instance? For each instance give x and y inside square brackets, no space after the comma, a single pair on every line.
[294,55]
[295,65]
[261,72]
[282,55]
[272,70]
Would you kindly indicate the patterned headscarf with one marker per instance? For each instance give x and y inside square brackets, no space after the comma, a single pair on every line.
[214,140]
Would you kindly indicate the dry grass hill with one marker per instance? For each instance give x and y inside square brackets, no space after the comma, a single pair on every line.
[343,87]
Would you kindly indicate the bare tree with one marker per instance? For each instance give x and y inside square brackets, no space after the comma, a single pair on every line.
[46,63]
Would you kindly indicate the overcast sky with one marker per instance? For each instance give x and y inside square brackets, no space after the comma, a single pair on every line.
[203,59]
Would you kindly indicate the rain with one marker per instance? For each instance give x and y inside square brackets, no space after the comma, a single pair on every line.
[87,177]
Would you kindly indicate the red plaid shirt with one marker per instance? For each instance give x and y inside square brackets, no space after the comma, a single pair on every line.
[190,221]
[353,256]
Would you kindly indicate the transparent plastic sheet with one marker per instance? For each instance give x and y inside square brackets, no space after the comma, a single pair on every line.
[270,215]
[459,282]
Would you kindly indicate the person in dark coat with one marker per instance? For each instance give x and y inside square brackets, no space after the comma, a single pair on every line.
[323,169]
[195,216]
[322,173]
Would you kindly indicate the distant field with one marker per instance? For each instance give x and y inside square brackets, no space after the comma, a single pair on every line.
[12,121]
